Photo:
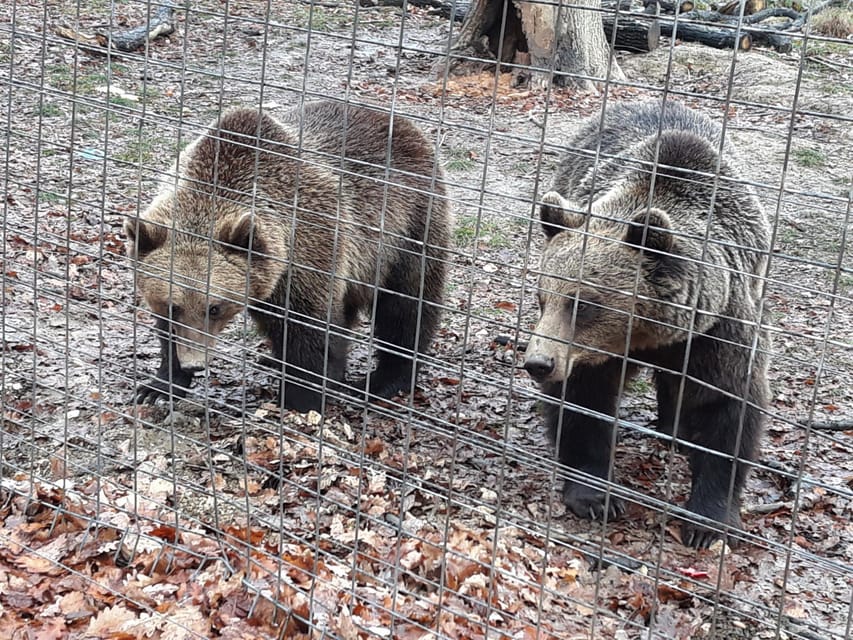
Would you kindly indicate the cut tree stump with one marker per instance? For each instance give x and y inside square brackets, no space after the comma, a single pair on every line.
[632,34]
[560,44]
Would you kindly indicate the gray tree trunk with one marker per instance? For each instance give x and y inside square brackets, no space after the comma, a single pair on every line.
[569,40]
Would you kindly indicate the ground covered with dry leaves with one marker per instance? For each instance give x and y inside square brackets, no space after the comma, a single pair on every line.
[437,517]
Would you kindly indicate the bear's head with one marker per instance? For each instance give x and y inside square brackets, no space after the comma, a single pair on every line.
[602,282]
[196,282]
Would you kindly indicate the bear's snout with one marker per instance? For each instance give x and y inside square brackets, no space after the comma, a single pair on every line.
[539,366]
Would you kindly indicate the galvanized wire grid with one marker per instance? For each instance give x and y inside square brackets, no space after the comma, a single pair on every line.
[437,515]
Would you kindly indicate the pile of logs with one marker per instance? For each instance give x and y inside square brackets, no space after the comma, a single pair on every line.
[638,29]
[737,23]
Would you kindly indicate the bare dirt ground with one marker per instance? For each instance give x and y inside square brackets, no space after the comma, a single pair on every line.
[439,518]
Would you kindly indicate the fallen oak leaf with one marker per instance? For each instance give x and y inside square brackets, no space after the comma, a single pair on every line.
[110,621]
[167,533]
[46,559]
[668,593]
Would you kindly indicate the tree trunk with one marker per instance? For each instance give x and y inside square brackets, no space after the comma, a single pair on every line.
[568,40]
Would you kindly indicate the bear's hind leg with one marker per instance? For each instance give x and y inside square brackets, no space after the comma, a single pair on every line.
[583,442]
[405,324]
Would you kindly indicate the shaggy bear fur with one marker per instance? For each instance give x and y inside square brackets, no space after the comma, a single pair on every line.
[297,220]
[663,266]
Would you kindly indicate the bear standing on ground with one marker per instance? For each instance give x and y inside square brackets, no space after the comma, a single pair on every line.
[656,252]
[303,222]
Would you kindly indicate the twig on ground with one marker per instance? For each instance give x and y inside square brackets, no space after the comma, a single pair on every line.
[829,425]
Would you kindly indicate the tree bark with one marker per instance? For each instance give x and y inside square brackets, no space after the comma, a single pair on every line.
[568,39]
[759,35]
[710,36]
[632,34]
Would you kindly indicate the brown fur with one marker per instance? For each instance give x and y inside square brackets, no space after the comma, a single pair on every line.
[267,215]
[625,265]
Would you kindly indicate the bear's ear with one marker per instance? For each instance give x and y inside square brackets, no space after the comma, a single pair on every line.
[558,214]
[143,237]
[243,234]
[651,229]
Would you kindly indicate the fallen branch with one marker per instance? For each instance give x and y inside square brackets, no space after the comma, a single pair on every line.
[829,425]
[772,12]
[159,25]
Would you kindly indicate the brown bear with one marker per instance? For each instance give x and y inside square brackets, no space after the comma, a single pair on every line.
[305,221]
[654,256]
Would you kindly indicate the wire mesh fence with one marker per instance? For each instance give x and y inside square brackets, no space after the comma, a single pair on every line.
[317,323]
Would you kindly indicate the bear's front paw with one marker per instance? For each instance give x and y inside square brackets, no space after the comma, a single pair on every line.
[295,397]
[590,503]
[701,536]
[385,385]
[159,389]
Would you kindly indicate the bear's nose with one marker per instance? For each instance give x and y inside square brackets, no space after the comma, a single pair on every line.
[193,368]
[539,366]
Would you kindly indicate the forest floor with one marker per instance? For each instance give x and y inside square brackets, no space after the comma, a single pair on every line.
[439,517]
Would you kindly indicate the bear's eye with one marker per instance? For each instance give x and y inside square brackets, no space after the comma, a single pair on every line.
[214,311]
[583,309]
[175,312]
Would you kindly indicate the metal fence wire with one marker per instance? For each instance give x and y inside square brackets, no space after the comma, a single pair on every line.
[552,364]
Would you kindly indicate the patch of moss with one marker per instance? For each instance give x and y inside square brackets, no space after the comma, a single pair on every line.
[811,158]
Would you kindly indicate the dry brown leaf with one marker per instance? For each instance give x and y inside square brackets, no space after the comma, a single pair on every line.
[59,465]
[50,629]
[374,446]
[46,559]
[73,603]
[185,622]
[252,536]
[109,621]
[506,305]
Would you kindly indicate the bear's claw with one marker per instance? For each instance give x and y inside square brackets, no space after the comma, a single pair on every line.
[586,502]
[700,536]
[156,389]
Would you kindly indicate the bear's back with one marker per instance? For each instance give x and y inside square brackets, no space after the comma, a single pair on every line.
[670,161]
[331,131]
[624,138]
